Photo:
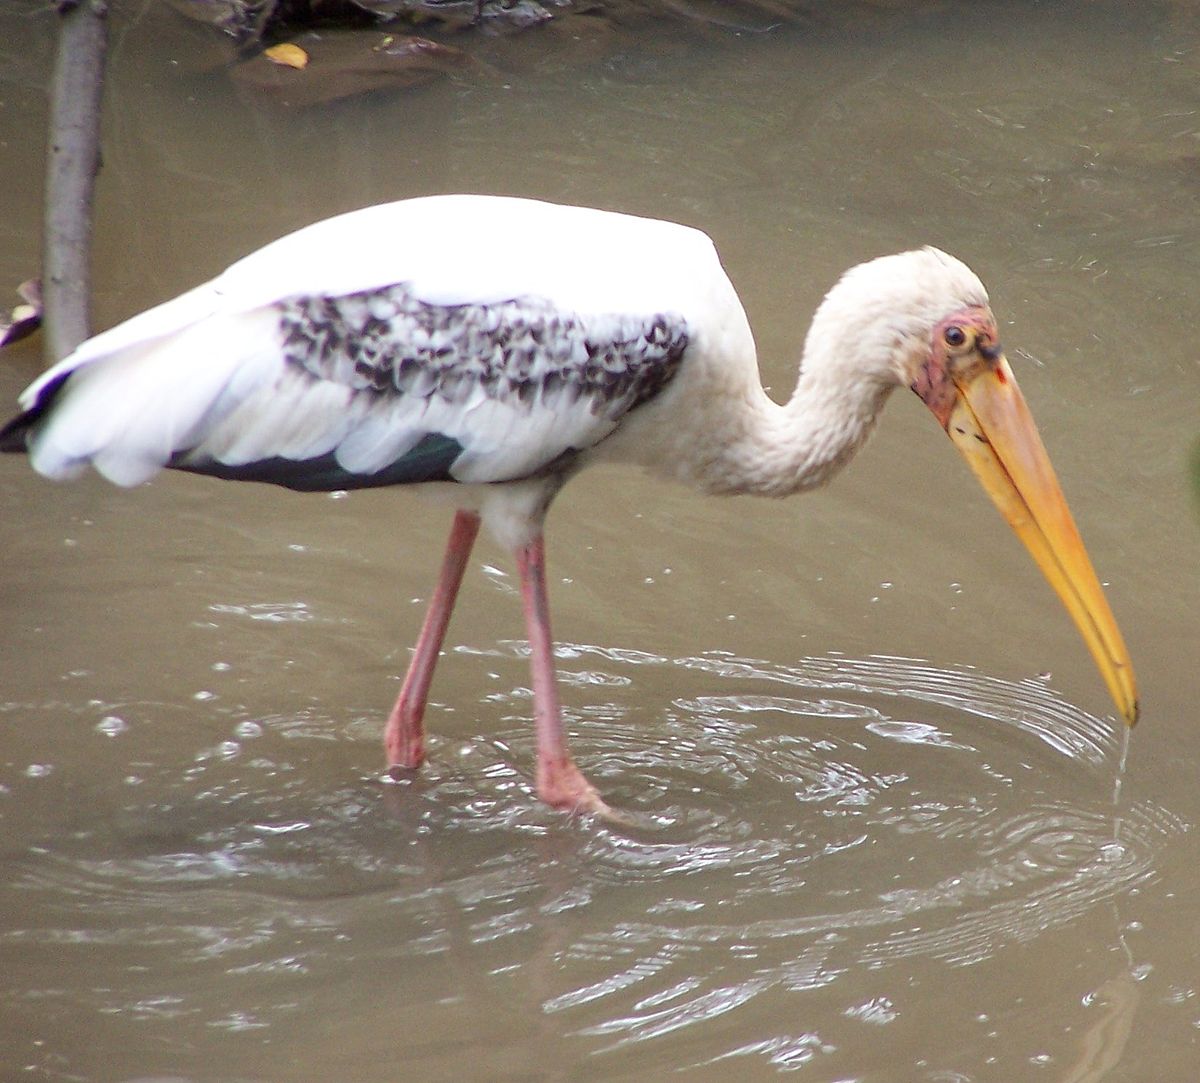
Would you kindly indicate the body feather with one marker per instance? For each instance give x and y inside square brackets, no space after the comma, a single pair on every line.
[433,339]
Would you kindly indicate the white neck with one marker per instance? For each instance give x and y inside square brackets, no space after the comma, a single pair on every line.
[867,337]
[782,450]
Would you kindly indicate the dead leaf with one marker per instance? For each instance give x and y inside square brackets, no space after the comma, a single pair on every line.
[287,55]
[343,64]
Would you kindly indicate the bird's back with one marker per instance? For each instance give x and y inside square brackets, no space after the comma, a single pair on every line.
[449,337]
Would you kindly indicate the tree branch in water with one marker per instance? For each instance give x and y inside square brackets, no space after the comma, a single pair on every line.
[73,160]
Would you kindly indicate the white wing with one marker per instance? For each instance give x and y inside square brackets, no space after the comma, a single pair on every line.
[459,337]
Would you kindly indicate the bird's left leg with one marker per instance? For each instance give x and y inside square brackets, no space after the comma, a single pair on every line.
[404,735]
[559,782]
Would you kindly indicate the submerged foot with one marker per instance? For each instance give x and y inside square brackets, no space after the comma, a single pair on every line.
[403,739]
[561,785]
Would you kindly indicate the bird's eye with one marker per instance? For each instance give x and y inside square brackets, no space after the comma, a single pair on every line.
[954,335]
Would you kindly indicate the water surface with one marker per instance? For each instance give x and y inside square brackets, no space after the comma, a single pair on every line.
[872,766]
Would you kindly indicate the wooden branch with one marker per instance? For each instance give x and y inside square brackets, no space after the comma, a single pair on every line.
[73,160]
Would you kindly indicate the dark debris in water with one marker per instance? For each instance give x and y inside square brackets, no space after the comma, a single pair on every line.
[422,40]
[24,318]
[344,64]
[250,22]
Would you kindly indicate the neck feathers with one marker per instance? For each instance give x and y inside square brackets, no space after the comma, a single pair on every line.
[801,445]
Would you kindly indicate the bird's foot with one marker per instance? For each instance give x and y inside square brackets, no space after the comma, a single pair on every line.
[399,772]
[561,785]
[403,744]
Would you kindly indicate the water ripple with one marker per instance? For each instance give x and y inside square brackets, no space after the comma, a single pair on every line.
[795,824]
[865,814]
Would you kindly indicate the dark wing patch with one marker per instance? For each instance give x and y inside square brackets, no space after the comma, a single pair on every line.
[430,460]
[381,388]
[14,435]
[523,351]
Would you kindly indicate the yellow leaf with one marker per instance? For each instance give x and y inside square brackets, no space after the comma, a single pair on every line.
[290,56]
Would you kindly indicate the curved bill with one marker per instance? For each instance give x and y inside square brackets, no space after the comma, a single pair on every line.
[992,427]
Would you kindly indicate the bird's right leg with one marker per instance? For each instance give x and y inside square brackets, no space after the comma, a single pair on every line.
[559,782]
[404,735]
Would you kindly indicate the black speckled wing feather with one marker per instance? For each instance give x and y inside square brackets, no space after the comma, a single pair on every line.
[381,388]
[460,337]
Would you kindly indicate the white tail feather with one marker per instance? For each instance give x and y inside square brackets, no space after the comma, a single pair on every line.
[127,413]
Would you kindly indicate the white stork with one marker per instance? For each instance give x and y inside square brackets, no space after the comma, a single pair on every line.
[496,346]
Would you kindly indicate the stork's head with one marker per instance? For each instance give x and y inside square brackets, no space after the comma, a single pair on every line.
[921,319]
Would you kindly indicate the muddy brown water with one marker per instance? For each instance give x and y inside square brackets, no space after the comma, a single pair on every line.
[884,839]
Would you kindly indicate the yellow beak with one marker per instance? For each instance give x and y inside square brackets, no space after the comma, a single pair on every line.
[992,427]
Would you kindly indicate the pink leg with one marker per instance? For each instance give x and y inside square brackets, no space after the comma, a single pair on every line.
[559,782]
[404,735]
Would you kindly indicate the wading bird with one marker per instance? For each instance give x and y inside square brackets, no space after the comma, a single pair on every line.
[498,346]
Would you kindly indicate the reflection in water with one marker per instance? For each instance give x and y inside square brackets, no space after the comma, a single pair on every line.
[1104,1042]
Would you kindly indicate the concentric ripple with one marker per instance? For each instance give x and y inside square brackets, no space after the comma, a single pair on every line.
[835,814]
[800,831]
